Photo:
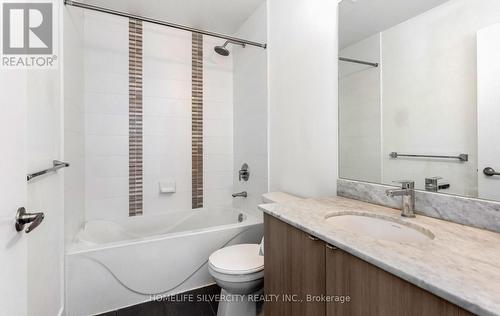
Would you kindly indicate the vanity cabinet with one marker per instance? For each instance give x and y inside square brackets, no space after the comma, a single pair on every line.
[294,266]
[298,265]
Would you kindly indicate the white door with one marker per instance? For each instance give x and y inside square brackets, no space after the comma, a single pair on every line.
[488,78]
[13,248]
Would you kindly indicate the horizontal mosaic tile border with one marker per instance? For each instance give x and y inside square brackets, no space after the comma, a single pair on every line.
[135,119]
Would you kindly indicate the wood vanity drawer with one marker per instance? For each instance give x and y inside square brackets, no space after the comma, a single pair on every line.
[299,266]
[373,291]
[294,266]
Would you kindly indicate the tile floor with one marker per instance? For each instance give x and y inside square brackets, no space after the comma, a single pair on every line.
[172,308]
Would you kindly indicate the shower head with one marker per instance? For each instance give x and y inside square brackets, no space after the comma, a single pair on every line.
[223,51]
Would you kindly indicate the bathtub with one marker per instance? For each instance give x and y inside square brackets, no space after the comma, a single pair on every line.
[111,265]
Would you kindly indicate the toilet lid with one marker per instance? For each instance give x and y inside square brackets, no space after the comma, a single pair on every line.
[237,259]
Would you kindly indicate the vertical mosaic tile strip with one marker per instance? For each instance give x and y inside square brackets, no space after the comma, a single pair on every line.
[135,118]
[197,120]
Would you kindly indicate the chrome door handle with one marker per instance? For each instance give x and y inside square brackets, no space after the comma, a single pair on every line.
[490,172]
[23,218]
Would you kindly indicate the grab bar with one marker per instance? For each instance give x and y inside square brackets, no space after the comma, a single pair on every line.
[56,166]
[461,157]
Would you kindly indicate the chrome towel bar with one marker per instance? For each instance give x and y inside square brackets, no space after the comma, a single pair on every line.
[56,166]
[357,61]
[461,157]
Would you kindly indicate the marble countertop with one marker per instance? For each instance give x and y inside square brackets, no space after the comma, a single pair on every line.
[461,264]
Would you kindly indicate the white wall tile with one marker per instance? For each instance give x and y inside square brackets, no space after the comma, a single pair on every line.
[166,88]
[74,123]
[107,166]
[99,81]
[218,198]
[106,61]
[172,128]
[217,110]
[164,164]
[218,145]
[217,84]
[250,113]
[168,45]
[217,128]
[218,162]
[166,119]
[105,32]
[106,187]
[218,180]
[180,177]
[167,203]
[107,209]
[106,124]
[106,103]
[157,106]
[166,145]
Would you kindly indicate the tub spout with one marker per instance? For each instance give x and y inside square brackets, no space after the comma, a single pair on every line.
[240,194]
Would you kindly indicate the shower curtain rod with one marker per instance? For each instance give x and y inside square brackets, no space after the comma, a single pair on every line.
[159,22]
[357,61]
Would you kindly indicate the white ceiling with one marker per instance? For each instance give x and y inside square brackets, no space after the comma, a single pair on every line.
[223,16]
[359,19]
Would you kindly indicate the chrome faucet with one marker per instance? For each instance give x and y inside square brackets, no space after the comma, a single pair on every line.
[240,194]
[244,173]
[407,191]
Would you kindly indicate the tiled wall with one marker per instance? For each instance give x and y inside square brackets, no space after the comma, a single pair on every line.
[167,115]
[106,116]
[74,123]
[217,125]
[250,112]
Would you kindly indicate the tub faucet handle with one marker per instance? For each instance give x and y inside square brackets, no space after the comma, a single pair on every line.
[244,173]
[23,218]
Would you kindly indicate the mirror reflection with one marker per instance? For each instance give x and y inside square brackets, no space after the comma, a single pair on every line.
[419,94]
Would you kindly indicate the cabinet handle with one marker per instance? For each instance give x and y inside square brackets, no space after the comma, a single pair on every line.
[313,238]
[328,246]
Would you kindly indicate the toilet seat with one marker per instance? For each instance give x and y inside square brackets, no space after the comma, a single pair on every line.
[239,271]
[237,260]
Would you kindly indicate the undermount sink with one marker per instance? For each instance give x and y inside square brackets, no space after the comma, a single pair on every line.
[380,227]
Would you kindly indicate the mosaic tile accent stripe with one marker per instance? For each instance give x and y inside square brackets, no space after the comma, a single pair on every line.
[197,120]
[135,118]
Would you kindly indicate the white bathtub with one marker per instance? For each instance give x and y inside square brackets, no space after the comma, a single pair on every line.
[116,264]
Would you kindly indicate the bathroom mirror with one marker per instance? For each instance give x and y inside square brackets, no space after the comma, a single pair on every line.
[419,94]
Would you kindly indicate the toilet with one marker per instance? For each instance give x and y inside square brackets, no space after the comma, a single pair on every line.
[239,271]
